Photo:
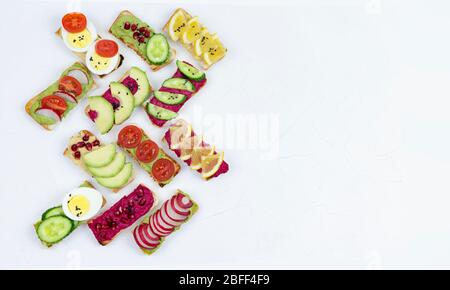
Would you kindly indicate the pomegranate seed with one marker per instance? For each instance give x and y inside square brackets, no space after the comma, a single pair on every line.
[147,33]
[136,35]
[74,147]
[96,143]
[86,138]
[98,227]
[133,27]
[142,202]
[88,146]
[77,155]
[141,39]
[127,25]
[81,144]
[131,216]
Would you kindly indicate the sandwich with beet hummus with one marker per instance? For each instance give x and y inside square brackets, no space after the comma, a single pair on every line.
[117,104]
[194,151]
[53,104]
[151,46]
[168,218]
[174,93]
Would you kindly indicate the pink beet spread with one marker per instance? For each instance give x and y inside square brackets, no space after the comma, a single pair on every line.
[224,167]
[122,214]
[93,115]
[175,108]
[130,83]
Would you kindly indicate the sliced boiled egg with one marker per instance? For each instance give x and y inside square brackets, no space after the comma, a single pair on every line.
[77,32]
[82,203]
[103,57]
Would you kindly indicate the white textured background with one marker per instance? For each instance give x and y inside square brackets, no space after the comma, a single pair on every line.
[358,91]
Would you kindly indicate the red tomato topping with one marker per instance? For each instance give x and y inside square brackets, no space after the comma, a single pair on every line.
[163,169]
[147,151]
[54,103]
[70,85]
[130,136]
[74,22]
[106,48]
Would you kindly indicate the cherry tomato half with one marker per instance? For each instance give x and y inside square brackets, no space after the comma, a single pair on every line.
[147,151]
[70,85]
[54,103]
[163,169]
[106,48]
[74,22]
[130,136]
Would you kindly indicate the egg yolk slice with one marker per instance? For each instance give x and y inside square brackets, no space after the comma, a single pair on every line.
[79,40]
[99,62]
[78,205]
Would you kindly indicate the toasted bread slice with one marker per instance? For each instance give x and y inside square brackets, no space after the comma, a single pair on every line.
[29,105]
[161,151]
[77,161]
[82,55]
[173,52]
[188,47]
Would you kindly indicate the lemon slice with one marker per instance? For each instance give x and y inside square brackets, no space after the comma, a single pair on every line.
[197,154]
[192,31]
[178,132]
[214,54]
[205,42]
[188,145]
[177,25]
[211,164]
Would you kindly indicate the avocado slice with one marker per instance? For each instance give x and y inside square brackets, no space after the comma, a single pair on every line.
[110,170]
[126,98]
[119,180]
[160,113]
[144,89]
[179,83]
[100,157]
[104,119]
[190,72]
[170,98]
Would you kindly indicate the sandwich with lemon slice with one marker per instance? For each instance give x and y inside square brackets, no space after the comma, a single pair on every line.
[194,151]
[196,38]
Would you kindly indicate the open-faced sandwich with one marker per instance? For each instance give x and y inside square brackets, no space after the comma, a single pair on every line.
[123,214]
[194,151]
[174,93]
[169,217]
[157,163]
[117,104]
[54,103]
[78,206]
[79,34]
[202,44]
[105,163]
[152,47]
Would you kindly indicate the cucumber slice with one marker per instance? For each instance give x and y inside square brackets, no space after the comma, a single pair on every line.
[54,229]
[180,84]
[170,98]
[160,113]
[190,72]
[158,49]
[57,210]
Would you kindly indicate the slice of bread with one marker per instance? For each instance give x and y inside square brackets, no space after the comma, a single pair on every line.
[173,52]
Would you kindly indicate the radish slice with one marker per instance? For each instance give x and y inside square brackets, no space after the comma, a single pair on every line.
[139,241]
[165,225]
[179,210]
[183,201]
[150,234]
[141,233]
[66,96]
[155,228]
[48,113]
[171,215]
[79,75]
